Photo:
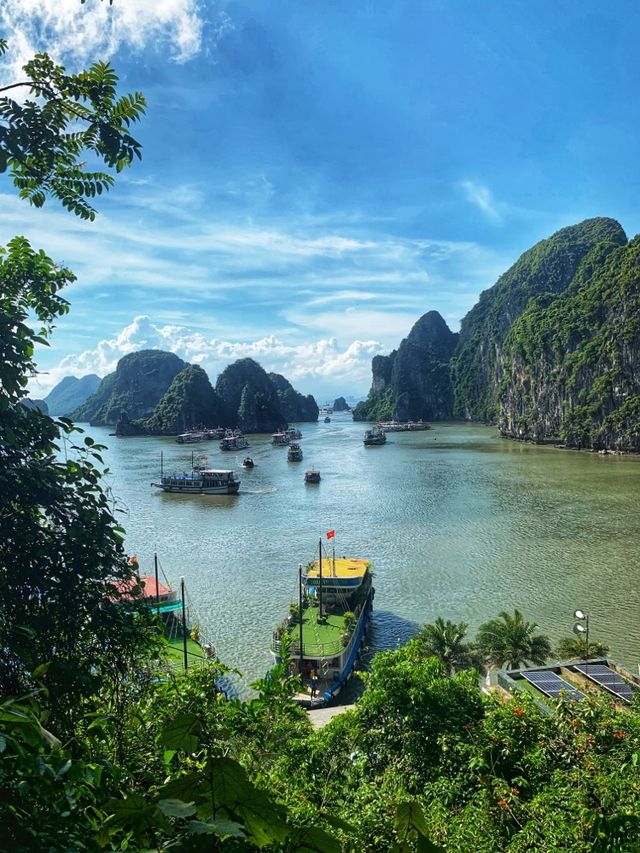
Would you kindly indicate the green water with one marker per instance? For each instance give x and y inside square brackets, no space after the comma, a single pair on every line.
[457,522]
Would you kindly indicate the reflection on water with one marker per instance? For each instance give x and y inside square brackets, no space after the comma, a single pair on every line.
[457,522]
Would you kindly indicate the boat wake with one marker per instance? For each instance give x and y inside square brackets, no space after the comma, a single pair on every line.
[268,490]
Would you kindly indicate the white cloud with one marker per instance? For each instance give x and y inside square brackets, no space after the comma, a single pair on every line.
[317,366]
[481,197]
[76,34]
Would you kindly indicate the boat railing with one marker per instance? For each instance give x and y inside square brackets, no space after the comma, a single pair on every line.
[315,650]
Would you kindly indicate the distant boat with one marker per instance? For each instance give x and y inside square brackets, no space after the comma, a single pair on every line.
[312,476]
[247,462]
[280,439]
[327,420]
[403,426]
[294,434]
[191,437]
[294,453]
[374,436]
[235,441]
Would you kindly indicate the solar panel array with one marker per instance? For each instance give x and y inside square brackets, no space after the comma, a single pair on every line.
[552,685]
[608,678]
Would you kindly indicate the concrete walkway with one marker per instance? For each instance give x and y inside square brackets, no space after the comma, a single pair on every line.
[321,716]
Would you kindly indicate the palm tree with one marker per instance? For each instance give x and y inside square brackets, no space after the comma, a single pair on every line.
[444,640]
[508,640]
[574,647]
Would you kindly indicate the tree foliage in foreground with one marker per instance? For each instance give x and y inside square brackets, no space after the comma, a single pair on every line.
[66,118]
[60,546]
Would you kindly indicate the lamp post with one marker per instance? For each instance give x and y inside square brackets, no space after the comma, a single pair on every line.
[581,628]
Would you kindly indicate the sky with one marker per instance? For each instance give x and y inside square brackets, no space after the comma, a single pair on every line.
[317,176]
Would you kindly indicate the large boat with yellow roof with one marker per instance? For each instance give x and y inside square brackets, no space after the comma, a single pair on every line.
[326,627]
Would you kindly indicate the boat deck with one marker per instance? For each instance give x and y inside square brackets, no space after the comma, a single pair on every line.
[320,639]
[341,567]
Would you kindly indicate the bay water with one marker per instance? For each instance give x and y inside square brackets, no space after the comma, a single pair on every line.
[457,522]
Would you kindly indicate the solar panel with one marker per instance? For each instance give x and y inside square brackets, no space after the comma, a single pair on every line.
[552,685]
[607,678]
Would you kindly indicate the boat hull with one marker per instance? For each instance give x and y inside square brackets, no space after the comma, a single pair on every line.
[348,660]
[231,489]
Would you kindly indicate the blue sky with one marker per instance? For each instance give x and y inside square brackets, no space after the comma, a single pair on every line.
[316,176]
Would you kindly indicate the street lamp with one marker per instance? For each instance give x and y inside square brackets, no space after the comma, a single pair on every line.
[581,628]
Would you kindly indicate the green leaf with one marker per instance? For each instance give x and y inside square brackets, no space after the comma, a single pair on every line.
[176,808]
[238,796]
[182,733]
[222,828]
[314,840]
[409,816]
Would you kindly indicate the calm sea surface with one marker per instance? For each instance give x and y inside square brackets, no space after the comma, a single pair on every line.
[457,522]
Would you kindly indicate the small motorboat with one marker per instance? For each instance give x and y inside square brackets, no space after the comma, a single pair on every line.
[312,476]
[327,420]
[247,462]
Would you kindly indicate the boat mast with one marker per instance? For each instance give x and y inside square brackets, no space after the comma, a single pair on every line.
[161,464]
[184,624]
[300,614]
[320,574]
[155,567]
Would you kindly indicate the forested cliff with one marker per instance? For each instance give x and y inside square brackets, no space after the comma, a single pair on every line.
[156,393]
[551,352]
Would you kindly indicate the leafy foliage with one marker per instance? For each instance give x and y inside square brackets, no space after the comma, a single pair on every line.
[44,142]
[509,641]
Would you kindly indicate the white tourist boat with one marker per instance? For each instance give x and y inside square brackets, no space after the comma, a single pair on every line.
[204,481]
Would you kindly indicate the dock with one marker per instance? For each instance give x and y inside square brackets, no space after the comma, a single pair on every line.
[319,717]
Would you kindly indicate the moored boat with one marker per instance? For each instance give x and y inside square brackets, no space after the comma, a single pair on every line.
[294,454]
[326,628]
[374,436]
[191,437]
[186,645]
[280,439]
[312,476]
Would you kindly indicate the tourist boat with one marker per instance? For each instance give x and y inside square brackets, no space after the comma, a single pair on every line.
[403,426]
[374,436]
[326,627]
[235,441]
[248,462]
[312,476]
[202,481]
[190,437]
[186,645]
[294,434]
[294,454]
[280,439]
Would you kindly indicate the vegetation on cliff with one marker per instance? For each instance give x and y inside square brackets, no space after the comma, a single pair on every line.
[245,388]
[413,383]
[135,388]
[547,268]
[190,402]
[572,369]
[294,406]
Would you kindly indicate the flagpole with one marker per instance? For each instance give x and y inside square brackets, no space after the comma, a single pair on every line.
[334,557]
[320,573]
